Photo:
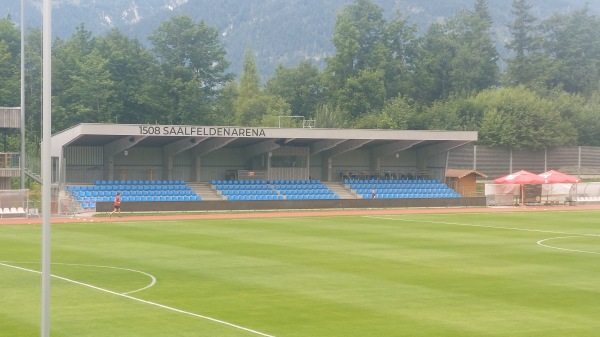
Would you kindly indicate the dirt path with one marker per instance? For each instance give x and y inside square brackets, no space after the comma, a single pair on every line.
[292,213]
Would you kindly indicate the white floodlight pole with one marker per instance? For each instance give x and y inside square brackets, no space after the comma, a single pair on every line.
[46,165]
[22,156]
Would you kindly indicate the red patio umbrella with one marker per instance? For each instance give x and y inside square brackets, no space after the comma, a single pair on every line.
[521,178]
[555,177]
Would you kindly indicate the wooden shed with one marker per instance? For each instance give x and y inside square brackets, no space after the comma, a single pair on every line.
[463,182]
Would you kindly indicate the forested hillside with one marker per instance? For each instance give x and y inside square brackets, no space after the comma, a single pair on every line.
[383,72]
[279,32]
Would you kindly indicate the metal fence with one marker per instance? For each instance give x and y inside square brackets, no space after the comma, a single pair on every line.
[581,161]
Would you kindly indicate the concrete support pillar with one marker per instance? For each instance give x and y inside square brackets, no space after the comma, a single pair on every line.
[109,168]
[197,168]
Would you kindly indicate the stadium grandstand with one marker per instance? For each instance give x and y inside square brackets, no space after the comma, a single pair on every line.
[188,168]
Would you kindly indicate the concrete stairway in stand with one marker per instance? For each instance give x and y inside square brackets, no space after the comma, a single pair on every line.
[204,191]
[340,189]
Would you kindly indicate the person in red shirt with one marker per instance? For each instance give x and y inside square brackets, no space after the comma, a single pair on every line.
[117,204]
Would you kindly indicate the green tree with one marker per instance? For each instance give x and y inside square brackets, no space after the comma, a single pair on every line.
[224,110]
[522,29]
[246,110]
[453,113]
[133,71]
[399,70]
[254,107]
[529,65]
[476,64]
[571,43]
[364,93]
[80,81]
[357,33]
[193,67]
[275,109]
[588,122]
[10,75]
[300,87]
[89,98]
[356,72]
[582,112]
[434,66]
[458,56]
[66,54]
[10,54]
[394,115]
[331,117]
[518,118]
[249,80]
[11,35]
[33,88]
[264,110]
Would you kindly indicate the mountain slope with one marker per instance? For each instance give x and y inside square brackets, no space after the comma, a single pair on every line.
[278,31]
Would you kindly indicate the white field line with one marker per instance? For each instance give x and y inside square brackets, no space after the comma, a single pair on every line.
[540,242]
[151,277]
[125,295]
[482,226]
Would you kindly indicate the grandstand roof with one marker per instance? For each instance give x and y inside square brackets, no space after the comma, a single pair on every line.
[203,139]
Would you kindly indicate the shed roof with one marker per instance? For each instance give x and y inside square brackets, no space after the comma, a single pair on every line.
[456,173]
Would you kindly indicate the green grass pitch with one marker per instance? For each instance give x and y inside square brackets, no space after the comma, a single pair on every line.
[521,274]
